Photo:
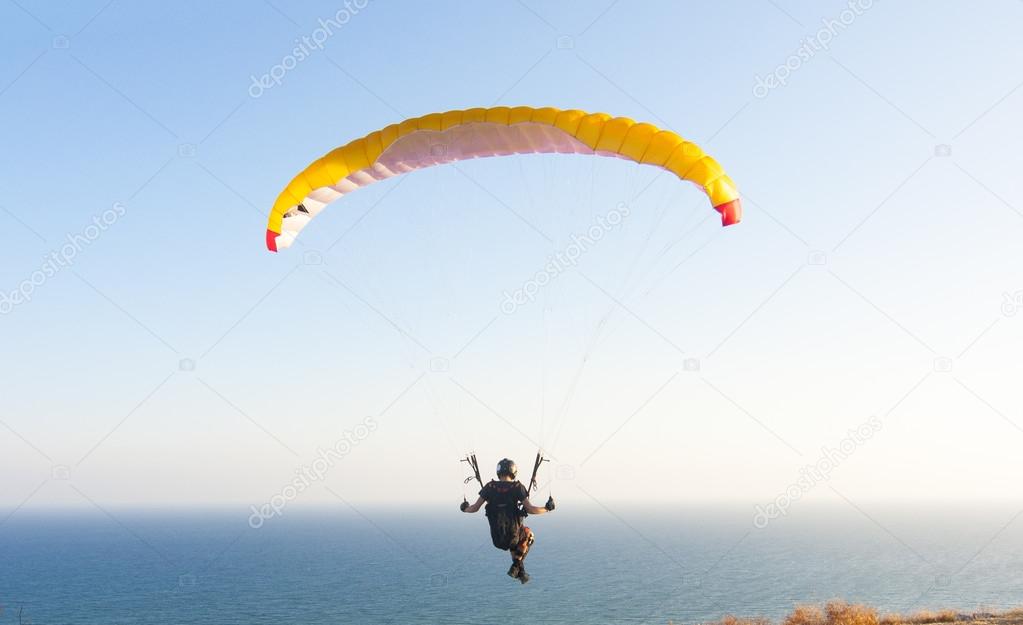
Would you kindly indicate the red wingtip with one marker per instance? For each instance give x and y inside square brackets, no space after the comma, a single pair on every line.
[271,240]
[731,212]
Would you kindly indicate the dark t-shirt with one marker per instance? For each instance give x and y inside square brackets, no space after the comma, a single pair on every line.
[504,496]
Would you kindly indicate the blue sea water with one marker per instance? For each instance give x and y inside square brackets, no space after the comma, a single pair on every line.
[593,565]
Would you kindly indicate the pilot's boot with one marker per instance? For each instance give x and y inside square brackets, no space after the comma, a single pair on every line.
[523,576]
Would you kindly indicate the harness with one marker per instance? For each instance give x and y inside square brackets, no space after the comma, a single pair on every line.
[508,509]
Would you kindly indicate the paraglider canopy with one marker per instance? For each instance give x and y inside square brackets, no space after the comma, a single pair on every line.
[440,138]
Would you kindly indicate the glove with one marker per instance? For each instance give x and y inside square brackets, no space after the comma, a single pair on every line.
[549,506]
[465,504]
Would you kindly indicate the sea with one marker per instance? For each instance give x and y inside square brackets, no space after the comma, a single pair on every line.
[624,564]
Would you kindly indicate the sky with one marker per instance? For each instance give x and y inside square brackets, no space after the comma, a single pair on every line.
[855,339]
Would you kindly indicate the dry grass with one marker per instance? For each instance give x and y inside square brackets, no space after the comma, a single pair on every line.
[842,613]
[806,615]
[744,620]
[921,618]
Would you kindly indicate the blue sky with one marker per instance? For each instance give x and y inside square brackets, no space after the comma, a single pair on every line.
[175,361]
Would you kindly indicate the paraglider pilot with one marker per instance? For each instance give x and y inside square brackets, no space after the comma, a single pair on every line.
[507,504]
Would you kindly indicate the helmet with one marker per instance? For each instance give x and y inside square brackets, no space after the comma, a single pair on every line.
[507,467]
